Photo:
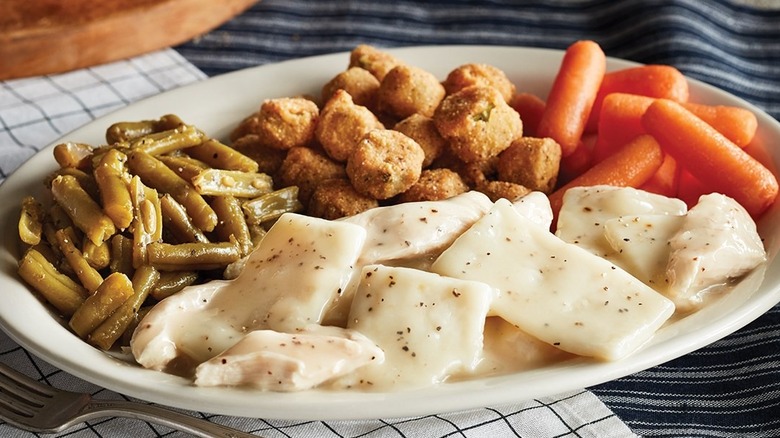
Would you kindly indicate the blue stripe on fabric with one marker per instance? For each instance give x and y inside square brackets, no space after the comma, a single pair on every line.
[677,398]
[723,43]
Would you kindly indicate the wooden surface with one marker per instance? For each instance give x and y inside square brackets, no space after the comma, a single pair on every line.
[53,36]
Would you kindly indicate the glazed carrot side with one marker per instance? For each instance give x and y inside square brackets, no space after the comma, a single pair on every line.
[530,107]
[660,81]
[572,94]
[737,124]
[631,166]
[713,159]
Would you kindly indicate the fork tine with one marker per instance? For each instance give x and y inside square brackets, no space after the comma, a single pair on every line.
[20,394]
[23,385]
[30,405]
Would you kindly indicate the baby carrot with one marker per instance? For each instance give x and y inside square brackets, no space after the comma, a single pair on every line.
[660,81]
[572,94]
[689,188]
[620,121]
[621,114]
[665,181]
[578,161]
[530,107]
[631,166]
[711,157]
[737,124]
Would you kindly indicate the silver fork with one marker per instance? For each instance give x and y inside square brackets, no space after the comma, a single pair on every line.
[36,407]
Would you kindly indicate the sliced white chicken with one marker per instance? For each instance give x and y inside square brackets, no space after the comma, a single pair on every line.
[430,327]
[555,291]
[641,245]
[717,242]
[295,274]
[585,210]
[274,361]
[184,329]
[536,207]
[414,229]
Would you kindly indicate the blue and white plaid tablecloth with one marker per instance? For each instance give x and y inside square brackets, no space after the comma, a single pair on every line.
[730,388]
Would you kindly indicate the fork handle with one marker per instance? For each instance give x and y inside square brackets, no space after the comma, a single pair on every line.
[161,416]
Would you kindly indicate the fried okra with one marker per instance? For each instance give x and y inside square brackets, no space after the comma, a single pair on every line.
[435,185]
[306,168]
[478,123]
[407,90]
[281,123]
[496,190]
[372,59]
[476,173]
[358,82]
[337,198]
[247,126]
[287,122]
[384,164]
[342,124]
[532,162]
[468,75]
[422,130]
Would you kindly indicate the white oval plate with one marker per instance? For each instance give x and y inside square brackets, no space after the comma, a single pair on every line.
[216,105]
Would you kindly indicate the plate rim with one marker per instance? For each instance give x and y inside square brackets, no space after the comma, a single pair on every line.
[483,392]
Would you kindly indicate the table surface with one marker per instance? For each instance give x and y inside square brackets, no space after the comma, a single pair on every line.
[729,388]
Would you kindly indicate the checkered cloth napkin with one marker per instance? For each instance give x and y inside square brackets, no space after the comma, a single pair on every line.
[35,112]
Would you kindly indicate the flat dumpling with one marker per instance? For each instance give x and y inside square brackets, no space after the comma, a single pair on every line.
[430,327]
[553,290]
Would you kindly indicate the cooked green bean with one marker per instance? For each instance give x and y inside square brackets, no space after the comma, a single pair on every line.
[122,255]
[221,156]
[178,138]
[147,219]
[272,205]
[157,175]
[89,277]
[178,223]
[50,240]
[111,178]
[218,182]
[48,253]
[232,222]
[85,213]
[31,221]
[169,121]
[59,290]
[192,256]
[98,256]
[58,218]
[111,294]
[106,334]
[86,180]
[184,166]
[122,132]
[127,336]
[257,232]
[127,131]
[74,155]
[173,281]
